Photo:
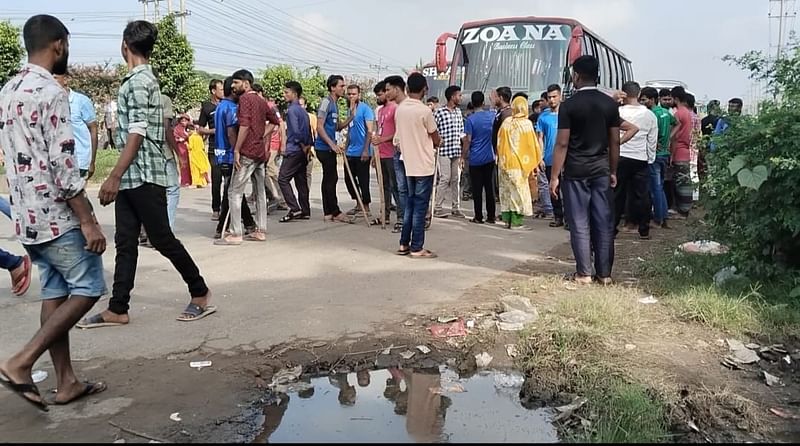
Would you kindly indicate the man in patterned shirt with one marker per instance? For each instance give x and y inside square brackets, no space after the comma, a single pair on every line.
[52,216]
[450,122]
[138,185]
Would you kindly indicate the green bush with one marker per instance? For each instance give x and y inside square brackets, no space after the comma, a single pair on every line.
[753,186]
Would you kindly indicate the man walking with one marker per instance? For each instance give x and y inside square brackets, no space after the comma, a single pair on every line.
[417,135]
[249,159]
[481,158]
[396,93]
[84,127]
[636,155]
[382,139]
[138,185]
[206,124]
[295,157]
[51,213]
[658,169]
[326,148]
[547,125]
[450,123]
[587,152]
[358,153]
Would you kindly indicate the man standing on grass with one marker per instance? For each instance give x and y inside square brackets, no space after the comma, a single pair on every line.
[417,136]
[206,129]
[362,126]
[249,159]
[681,153]
[84,127]
[295,157]
[450,123]
[587,152]
[137,185]
[51,213]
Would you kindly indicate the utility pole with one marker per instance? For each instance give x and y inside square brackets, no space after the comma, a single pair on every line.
[155,15]
[784,11]
[182,14]
[379,67]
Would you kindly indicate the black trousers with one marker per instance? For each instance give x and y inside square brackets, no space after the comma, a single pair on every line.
[558,205]
[295,167]
[226,171]
[330,177]
[216,183]
[146,206]
[360,171]
[633,188]
[482,179]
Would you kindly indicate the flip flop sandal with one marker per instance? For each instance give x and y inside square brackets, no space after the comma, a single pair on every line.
[96,321]
[290,216]
[573,277]
[22,389]
[403,252]
[194,312]
[476,221]
[424,254]
[397,229]
[375,222]
[253,238]
[227,242]
[25,283]
[89,389]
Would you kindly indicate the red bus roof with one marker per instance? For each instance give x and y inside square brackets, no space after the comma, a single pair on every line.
[534,19]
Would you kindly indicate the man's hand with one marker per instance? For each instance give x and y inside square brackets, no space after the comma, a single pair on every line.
[554,183]
[613,181]
[269,155]
[108,191]
[236,158]
[353,105]
[337,149]
[364,156]
[95,240]
[90,173]
[375,140]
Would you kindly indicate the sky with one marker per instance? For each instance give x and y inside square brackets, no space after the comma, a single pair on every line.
[681,39]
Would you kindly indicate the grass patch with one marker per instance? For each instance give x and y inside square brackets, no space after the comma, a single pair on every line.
[685,283]
[627,413]
[103,163]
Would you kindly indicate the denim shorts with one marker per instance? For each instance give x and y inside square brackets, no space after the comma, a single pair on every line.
[66,268]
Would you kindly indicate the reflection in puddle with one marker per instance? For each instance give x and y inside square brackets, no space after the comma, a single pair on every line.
[397,405]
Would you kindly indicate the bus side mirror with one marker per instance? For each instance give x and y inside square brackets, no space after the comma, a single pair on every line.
[440,56]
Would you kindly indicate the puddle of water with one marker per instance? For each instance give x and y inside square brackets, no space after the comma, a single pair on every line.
[404,406]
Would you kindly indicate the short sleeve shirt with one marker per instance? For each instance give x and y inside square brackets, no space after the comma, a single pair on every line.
[225,118]
[479,127]
[357,132]
[665,121]
[328,113]
[415,123]
[386,127]
[82,113]
[683,140]
[207,112]
[547,125]
[451,128]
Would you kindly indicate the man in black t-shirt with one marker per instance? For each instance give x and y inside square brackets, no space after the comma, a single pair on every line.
[206,122]
[585,160]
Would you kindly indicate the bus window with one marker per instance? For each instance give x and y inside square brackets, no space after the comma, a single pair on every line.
[605,76]
[587,46]
[617,70]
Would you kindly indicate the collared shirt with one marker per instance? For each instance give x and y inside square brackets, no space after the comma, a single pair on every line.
[328,112]
[386,126]
[36,138]
[547,125]
[298,129]
[642,147]
[357,136]
[140,111]
[415,123]
[451,129]
[666,121]
[224,118]
[82,114]
[253,113]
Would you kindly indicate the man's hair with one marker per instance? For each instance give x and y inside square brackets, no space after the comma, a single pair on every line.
[544,94]
[379,87]
[632,89]
[737,101]
[520,94]
[470,106]
[650,93]
[552,88]
[536,103]
[140,36]
[333,79]
[679,93]
[417,83]
[227,86]
[665,93]
[244,75]
[690,100]
[354,87]
[42,30]
[213,84]
[396,81]
[478,99]
[588,67]
[258,88]
[432,99]
[295,87]
[504,93]
[451,91]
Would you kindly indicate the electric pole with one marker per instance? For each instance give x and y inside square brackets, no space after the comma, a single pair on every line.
[155,14]
[784,12]
[379,67]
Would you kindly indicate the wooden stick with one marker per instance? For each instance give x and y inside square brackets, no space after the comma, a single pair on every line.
[138,434]
[432,204]
[379,172]
[355,187]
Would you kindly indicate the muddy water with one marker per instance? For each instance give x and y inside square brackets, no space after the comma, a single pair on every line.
[402,406]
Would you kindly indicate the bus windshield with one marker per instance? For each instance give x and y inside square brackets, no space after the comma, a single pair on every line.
[437,82]
[523,56]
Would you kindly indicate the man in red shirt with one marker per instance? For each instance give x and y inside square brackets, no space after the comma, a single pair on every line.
[256,121]
[681,153]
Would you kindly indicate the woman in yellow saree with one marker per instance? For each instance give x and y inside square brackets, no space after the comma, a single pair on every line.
[518,155]
[198,160]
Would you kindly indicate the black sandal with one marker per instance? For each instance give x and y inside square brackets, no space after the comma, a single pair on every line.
[22,389]
[477,221]
[290,217]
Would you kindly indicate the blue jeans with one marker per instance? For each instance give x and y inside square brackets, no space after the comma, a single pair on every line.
[589,209]
[173,192]
[66,268]
[545,202]
[5,207]
[658,171]
[402,186]
[419,197]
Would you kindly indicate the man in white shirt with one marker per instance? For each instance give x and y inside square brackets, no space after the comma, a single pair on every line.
[110,120]
[635,156]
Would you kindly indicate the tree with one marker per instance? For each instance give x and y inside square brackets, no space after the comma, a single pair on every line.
[173,60]
[313,81]
[99,82]
[11,51]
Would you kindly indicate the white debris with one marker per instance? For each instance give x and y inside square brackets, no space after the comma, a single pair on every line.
[520,303]
[175,417]
[199,364]
[508,380]
[408,354]
[772,380]
[483,360]
[648,300]
[286,376]
[511,350]
[388,351]
[704,247]
[734,345]
[725,275]
[39,376]
[630,347]
[424,349]
[753,346]
[518,317]
[470,324]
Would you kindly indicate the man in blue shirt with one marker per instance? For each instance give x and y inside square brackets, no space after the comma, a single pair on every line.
[295,156]
[226,129]
[547,126]
[481,157]
[84,127]
[359,154]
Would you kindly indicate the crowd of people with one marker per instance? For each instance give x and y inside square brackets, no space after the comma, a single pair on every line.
[586,163]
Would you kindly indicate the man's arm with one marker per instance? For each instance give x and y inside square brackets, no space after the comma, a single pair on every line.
[203,123]
[613,152]
[343,124]
[465,145]
[370,129]
[652,141]
[93,134]
[436,138]
[629,129]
